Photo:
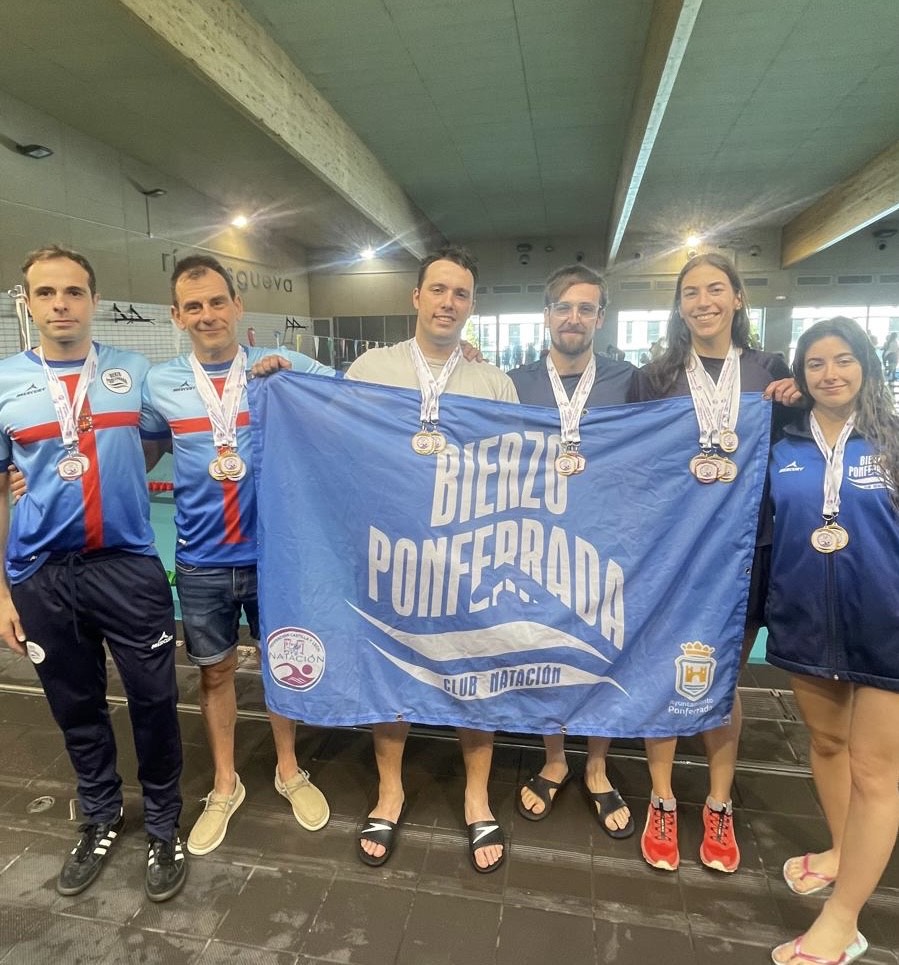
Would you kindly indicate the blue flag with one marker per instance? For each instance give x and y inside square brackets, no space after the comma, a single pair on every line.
[480,588]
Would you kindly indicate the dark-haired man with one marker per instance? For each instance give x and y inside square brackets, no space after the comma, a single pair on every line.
[574,300]
[443,299]
[82,567]
[197,404]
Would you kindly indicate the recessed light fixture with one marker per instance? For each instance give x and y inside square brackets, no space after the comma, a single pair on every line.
[36,151]
[693,240]
[780,298]
[367,253]
[240,221]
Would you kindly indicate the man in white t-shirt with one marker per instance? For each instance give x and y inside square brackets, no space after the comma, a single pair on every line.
[443,298]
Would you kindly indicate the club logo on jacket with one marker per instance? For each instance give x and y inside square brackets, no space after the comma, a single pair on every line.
[868,474]
[117,380]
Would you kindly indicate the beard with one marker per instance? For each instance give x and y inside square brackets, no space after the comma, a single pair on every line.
[571,342]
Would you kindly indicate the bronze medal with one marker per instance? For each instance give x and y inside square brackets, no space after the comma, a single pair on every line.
[704,468]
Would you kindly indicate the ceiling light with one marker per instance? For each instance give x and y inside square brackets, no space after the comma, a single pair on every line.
[153,192]
[35,151]
[692,240]
[780,298]
[240,221]
[367,253]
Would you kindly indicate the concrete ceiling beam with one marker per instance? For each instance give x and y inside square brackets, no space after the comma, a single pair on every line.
[670,27]
[861,199]
[234,54]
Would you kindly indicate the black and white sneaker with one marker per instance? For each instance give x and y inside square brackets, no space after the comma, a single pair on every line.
[166,868]
[85,861]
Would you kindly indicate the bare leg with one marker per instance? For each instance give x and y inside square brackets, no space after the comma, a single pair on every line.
[284,733]
[218,704]
[554,769]
[721,747]
[390,742]
[722,744]
[477,752]
[872,822]
[660,758]
[826,708]
[598,782]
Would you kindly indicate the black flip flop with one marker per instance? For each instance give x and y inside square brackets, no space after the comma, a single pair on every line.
[541,787]
[609,802]
[481,834]
[382,832]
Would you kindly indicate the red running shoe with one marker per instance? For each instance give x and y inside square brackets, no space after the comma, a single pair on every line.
[659,840]
[719,848]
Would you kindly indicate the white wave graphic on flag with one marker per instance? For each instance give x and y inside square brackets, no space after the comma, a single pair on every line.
[517,636]
[478,683]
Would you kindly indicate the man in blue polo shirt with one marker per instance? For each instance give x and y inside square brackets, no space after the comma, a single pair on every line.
[82,567]
[196,405]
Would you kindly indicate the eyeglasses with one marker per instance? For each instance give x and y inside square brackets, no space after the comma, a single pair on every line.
[586,311]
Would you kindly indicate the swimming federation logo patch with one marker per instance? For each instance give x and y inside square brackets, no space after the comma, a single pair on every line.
[116,380]
[296,658]
[695,670]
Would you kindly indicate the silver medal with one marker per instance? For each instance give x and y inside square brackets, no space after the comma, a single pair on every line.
[232,466]
[71,467]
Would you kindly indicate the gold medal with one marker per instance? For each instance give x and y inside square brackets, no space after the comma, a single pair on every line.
[423,443]
[581,463]
[728,440]
[727,469]
[829,538]
[567,463]
[215,469]
[704,468]
[439,441]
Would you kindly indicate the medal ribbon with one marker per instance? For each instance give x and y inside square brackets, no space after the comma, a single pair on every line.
[717,405]
[68,412]
[833,463]
[222,411]
[431,388]
[570,410]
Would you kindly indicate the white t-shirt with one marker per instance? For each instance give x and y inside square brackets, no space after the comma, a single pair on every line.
[393,365]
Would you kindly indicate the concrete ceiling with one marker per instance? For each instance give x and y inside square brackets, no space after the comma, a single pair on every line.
[625,121]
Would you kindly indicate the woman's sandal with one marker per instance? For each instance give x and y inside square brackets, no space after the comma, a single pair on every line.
[851,952]
[825,880]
